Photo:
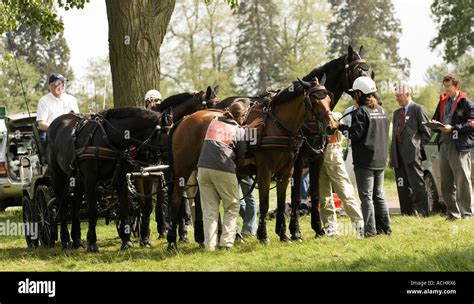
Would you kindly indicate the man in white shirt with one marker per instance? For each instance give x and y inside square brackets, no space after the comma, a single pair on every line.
[55,103]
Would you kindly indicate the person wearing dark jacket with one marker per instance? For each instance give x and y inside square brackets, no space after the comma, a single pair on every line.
[455,141]
[369,139]
[409,136]
[223,152]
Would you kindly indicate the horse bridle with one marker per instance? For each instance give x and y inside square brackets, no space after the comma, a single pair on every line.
[205,104]
[318,92]
[350,70]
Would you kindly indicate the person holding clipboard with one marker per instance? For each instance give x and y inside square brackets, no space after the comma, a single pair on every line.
[456,112]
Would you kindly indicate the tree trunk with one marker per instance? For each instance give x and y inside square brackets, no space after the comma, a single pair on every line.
[136,32]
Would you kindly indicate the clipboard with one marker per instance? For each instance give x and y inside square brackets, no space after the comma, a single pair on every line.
[434,125]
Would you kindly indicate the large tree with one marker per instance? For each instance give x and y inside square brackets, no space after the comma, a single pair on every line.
[257,56]
[456,20]
[136,31]
[206,55]
[47,55]
[355,20]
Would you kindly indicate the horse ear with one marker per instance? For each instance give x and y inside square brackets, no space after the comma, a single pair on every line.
[209,93]
[304,83]
[216,90]
[350,52]
[361,51]
[372,75]
[323,80]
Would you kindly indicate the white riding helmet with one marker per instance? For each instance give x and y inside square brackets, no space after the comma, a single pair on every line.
[364,84]
[152,94]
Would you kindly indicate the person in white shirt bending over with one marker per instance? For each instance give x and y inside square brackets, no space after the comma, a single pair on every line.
[55,103]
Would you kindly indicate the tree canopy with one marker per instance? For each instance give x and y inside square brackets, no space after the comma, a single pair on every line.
[456,20]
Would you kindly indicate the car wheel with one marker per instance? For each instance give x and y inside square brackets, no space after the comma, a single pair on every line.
[46,221]
[3,206]
[432,193]
[28,214]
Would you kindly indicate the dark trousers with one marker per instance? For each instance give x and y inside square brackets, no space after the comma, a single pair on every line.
[411,187]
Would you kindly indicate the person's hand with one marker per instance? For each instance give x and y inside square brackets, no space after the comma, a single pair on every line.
[447,129]
[343,127]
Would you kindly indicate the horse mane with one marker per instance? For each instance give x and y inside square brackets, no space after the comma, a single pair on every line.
[286,94]
[332,65]
[173,100]
[127,112]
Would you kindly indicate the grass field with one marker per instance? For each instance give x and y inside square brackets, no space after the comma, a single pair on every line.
[431,244]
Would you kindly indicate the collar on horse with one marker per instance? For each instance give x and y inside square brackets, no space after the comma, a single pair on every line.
[293,140]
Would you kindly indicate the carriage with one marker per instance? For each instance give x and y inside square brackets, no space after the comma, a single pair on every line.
[41,214]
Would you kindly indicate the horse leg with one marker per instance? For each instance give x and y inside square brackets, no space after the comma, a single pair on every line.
[314,172]
[146,208]
[198,222]
[176,196]
[296,198]
[124,212]
[161,211]
[60,189]
[76,217]
[182,229]
[90,185]
[264,179]
[280,227]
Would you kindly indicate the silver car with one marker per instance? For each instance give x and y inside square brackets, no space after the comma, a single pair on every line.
[432,175]
[15,142]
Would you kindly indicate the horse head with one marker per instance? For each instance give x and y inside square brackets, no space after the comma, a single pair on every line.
[355,67]
[318,101]
[210,98]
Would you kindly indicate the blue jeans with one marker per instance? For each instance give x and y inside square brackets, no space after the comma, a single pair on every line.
[248,208]
[374,206]
[305,186]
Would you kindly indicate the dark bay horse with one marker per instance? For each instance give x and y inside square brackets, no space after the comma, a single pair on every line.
[274,155]
[85,152]
[341,73]
[172,109]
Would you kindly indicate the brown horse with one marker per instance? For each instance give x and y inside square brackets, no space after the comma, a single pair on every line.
[278,142]
[173,109]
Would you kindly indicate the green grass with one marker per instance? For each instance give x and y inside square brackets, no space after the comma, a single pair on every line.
[431,244]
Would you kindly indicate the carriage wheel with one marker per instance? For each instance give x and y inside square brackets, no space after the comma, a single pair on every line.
[29,222]
[44,216]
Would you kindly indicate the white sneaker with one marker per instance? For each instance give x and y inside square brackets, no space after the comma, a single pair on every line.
[359,227]
[331,230]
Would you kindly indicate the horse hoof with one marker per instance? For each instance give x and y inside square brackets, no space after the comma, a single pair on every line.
[297,238]
[66,245]
[145,243]
[77,244]
[126,245]
[264,241]
[183,239]
[92,248]
[284,238]
[162,236]
[172,247]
